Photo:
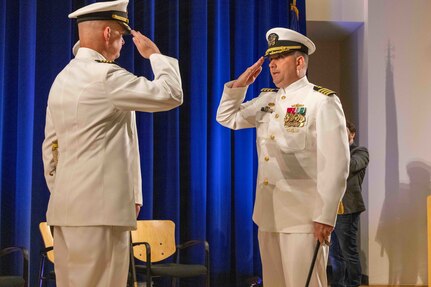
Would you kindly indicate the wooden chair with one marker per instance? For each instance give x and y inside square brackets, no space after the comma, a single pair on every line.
[46,253]
[154,241]
[14,280]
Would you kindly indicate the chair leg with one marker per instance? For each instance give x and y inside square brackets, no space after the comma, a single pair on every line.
[149,279]
[41,270]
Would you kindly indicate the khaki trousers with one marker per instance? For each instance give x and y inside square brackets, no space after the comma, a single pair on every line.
[93,256]
[286,260]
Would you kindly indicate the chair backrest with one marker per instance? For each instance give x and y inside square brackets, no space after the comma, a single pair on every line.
[48,240]
[160,234]
[15,280]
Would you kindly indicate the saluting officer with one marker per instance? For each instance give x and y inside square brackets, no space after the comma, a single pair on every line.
[90,152]
[303,158]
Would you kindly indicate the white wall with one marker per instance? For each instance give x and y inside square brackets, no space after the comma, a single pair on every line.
[335,10]
[326,71]
[339,64]
[398,124]
[391,103]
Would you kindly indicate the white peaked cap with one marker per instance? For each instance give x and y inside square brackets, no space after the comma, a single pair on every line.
[110,10]
[282,40]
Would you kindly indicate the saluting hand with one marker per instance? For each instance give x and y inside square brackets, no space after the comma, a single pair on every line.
[250,75]
[145,46]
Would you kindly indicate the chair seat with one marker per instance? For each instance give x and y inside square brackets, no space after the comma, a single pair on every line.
[11,281]
[154,241]
[174,270]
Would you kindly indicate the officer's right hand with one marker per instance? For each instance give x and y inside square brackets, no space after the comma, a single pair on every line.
[322,232]
[250,75]
[145,46]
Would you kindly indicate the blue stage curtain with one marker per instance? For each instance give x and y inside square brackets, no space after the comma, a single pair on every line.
[194,171]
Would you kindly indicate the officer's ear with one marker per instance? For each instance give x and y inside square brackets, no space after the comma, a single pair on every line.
[300,61]
[300,66]
[107,33]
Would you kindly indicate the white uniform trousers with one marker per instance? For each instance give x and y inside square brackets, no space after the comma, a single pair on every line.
[93,256]
[286,259]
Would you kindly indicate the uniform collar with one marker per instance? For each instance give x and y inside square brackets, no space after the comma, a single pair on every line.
[296,85]
[89,54]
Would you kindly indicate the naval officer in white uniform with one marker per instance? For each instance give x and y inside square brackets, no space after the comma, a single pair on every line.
[303,158]
[90,152]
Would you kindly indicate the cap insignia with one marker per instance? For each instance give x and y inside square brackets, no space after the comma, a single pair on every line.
[272,39]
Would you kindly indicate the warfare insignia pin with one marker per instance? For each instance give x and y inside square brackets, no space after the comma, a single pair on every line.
[266,109]
[295,116]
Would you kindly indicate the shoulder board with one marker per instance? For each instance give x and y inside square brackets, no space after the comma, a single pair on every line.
[325,91]
[266,90]
[106,61]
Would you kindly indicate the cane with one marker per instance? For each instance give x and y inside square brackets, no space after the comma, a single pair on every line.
[313,262]
[132,263]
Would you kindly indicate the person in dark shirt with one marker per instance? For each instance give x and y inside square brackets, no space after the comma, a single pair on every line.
[344,252]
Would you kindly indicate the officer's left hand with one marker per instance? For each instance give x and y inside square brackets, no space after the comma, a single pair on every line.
[322,232]
[137,208]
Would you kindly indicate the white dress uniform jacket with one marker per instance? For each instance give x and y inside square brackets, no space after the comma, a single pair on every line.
[91,113]
[303,153]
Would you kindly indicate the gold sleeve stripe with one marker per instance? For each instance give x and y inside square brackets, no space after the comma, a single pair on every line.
[340,208]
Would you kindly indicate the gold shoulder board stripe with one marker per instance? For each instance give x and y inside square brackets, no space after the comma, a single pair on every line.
[106,61]
[268,90]
[325,91]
